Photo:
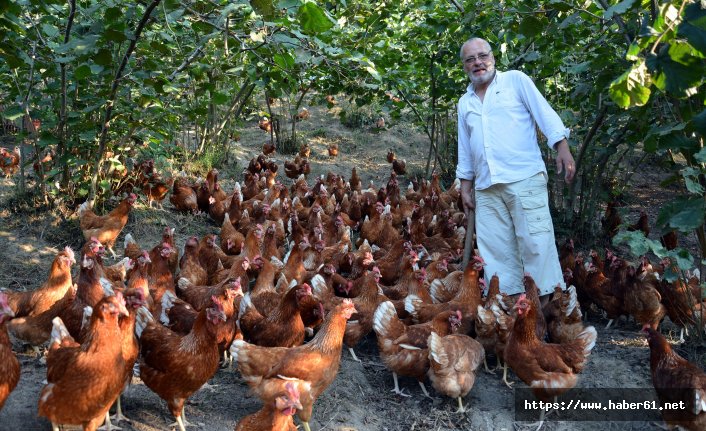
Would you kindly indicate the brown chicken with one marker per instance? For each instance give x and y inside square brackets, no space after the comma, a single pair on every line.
[84,380]
[299,166]
[641,297]
[275,415]
[268,148]
[176,366]
[183,196]
[265,124]
[283,327]
[10,161]
[467,299]
[105,228]
[189,265]
[549,369]
[157,190]
[669,240]
[90,290]
[399,166]
[35,309]
[315,363]
[611,220]
[303,114]
[333,149]
[403,348]
[563,314]
[134,299]
[453,361]
[642,224]
[231,239]
[9,365]
[677,380]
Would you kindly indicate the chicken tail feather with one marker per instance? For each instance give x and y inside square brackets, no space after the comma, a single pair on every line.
[437,353]
[167,302]
[385,321]
[144,317]
[58,331]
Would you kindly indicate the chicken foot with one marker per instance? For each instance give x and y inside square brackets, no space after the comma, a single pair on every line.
[181,421]
[355,358]
[509,384]
[118,416]
[424,389]
[487,368]
[107,425]
[397,386]
[461,409]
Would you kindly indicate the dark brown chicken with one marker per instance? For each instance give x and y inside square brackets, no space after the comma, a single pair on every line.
[677,380]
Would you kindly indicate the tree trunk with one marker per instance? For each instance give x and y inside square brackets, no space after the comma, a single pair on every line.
[103,139]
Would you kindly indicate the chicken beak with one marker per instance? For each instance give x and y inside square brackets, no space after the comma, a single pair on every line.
[122,309]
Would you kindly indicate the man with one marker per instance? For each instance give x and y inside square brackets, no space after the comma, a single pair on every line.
[503,177]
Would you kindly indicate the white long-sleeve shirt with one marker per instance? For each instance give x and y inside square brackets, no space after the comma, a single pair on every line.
[497,139]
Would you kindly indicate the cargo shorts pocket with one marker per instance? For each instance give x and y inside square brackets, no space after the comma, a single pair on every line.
[536,212]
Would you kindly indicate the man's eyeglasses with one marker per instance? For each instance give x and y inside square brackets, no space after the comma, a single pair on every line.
[483,56]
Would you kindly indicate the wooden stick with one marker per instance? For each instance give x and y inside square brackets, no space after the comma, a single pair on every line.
[468,245]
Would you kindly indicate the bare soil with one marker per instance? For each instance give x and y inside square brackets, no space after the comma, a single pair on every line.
[360,398]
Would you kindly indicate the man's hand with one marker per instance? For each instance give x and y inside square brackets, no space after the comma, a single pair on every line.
[468,196]
[564,161]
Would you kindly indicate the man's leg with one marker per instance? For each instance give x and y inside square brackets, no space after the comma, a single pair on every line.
[529,206]
[495,235]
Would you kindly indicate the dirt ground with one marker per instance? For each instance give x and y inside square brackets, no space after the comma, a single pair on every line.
[360,398]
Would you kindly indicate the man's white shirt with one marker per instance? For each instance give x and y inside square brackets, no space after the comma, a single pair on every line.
[497,139]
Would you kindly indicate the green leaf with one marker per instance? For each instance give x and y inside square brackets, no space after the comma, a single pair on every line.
[693,27]
[313,19]
[50,30]
[619,9]
[701,156]
[89,135]
[676,69]
[112,14]
[684,214]
[13,113]
[284,60]
[531,26]
[220,98]
[103,57]
[633,51]
[691,180]
[637,242]
[114,35]
[81,72]
[632,87]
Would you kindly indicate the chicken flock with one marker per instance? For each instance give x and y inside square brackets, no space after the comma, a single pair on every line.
[297,273]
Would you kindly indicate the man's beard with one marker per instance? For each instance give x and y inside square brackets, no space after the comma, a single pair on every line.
[483,79]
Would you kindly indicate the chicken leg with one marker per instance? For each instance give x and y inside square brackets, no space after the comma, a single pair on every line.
[461,409]
[107,425]
[509,384]
[355,358]
[181,421]
[424,389]
[397,386]
[119,417]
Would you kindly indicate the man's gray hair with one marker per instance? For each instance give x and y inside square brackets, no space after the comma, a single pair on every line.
[473,39]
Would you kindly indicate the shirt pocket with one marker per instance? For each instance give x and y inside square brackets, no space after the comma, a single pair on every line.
[536,211]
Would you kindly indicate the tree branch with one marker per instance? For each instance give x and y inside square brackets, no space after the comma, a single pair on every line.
[61,146]
[111,98]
